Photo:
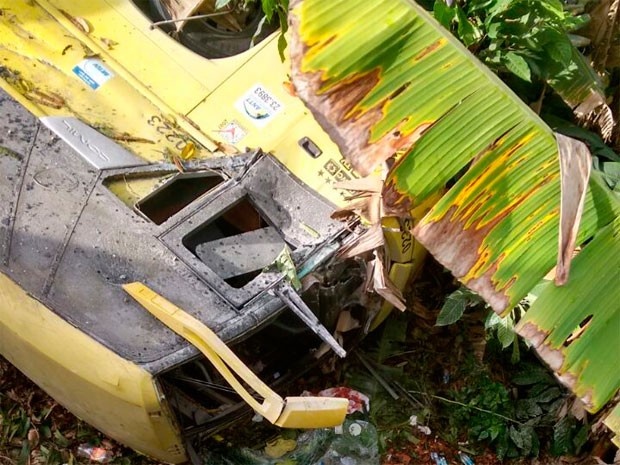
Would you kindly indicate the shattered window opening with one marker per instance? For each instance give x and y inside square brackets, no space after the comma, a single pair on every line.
[238,244]
[177,194]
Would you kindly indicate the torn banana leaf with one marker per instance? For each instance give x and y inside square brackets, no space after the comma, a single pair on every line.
[406,84]
[384,78]
[613,423]
[576,328]
[581,88]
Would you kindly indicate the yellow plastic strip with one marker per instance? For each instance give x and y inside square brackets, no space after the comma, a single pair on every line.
[294,412]
[218,353]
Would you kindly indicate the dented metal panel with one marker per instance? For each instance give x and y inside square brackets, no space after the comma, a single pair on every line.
[302,220]
[55,187]
[74,243]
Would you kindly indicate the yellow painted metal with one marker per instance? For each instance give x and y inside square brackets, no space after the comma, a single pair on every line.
[405,253]
[154,106]
[612,421]
[400,243]
[282,135]
[173,73]
[310,413]
[112,394]
[39,53]
[398,238]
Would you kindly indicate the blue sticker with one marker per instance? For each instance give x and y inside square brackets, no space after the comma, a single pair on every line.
[93,72]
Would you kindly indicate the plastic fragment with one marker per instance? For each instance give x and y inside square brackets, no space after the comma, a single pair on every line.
[280,446]
[357,445]
[94,453]
[465,459]
[358,402]
[439,459]
[424,429]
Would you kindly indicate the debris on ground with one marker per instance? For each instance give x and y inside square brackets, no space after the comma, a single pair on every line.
[353,443]
[358,402]
[35,430]
[94,453]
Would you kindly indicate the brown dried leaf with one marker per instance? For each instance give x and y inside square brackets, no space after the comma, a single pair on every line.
[382,285]
[78,22]
[575,167]
[595,112]
[185,9]
[368,202]
[352,210]
[370,239]
[578,409]
[603,25]
[178,9]
[33,437]
[368,184]
[289,88]
[49,99]
[109,43]
[346,322]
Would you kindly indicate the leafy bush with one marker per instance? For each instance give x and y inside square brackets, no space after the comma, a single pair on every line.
[273,9]
[519,36]
[517,418]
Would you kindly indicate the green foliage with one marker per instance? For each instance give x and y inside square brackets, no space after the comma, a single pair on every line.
[523,37]
[502,327]
[569,436]
[455,305]
[393,337]
[598,148]
[517,421]
[279,9]
[273,9]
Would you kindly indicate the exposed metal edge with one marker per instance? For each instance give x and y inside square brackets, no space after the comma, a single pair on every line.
[96,149]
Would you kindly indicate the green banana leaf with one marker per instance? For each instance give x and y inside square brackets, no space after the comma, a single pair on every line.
[613,423]
[576,328]
[393,88]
